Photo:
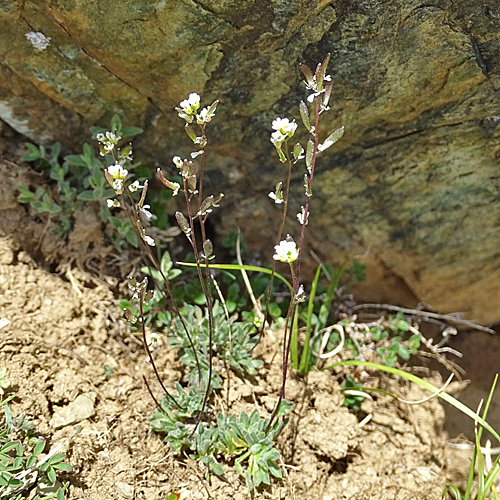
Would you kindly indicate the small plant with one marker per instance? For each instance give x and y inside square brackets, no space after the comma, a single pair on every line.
[79,179]
[247,438]
[209,339]
[23,471]
[383,341]
[352,390]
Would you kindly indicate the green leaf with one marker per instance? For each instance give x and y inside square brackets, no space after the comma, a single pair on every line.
[76,160]
[304,114]
[56,151]
[216,468]
[131,131]
[39,448]
[309,154]
[331,139]
[8,446]
[25,195]
[15,483]
[56,458]
[51,474]
[285,407]
[87,195]
[55,209]
[62,466]
[274,469]
[34,154]
[60,494]
[132,239]
[116,123]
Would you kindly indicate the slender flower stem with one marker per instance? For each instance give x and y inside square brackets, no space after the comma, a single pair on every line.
[278,237]
[143,327]
[204,286]
[308,197]
[287,337]
[166,282]
[292,310]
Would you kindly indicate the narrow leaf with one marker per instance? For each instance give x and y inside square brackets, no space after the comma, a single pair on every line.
[306,71]
[331,139]
[304,114]
[309,154]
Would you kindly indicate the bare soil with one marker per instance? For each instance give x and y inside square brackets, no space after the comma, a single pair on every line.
[64,328]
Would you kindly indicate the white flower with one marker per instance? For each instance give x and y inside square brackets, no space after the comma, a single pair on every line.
[286,251]
[301,294]
[111,136]
[191,104]
[117,171]
[118,186]
[194,99]
[285,126]
[113,203]
[135,186]
[276,199]
[154,340]
[177,161]
[277,138]
[149,241]
[284,129]
[146,212]
[202,116]
[300,216]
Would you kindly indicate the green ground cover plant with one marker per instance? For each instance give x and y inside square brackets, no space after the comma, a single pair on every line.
[79,179]
[24,468]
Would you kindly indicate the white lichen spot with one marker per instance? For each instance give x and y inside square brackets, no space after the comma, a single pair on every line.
[38,40]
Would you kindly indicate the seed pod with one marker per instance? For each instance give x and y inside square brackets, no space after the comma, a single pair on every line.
[183,223]
[208,248]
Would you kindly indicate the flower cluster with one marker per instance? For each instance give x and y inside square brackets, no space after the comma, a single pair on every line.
[115,174]
[189,107]
[283,130]
[286,251]
[107,142]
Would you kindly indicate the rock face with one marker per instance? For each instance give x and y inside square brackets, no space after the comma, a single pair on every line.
[412,189]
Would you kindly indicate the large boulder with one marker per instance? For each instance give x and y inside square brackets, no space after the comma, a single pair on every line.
[412,189]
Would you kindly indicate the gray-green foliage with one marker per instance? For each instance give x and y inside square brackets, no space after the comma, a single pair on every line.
[23,470]
[79,179]
[232,342]
[246,439]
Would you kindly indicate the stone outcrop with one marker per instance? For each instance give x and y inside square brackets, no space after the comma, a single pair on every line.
[412,189]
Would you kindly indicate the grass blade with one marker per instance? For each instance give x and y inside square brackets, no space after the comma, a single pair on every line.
[304,359]
[423,383]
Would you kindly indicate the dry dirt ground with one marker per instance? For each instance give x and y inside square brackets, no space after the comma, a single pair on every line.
[66,327]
